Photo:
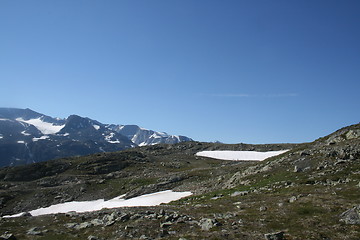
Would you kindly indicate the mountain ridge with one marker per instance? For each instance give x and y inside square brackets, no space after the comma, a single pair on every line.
[27,136]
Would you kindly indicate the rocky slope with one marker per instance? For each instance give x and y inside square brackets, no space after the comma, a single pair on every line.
[309,192]
[28,137]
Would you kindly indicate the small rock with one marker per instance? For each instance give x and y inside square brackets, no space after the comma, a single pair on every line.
[165,224]
[82,225]
[7,236]
[136,216]
[163,233]
[124,217]
[110,219]
[275,236]
[91,237]
[351,216]
[70,225]
[292,199]
[207,223]
[340,162]
[297,169]
[239,193]
[34,231]
[162,212]
[96,222]
[26,214]
[263,208]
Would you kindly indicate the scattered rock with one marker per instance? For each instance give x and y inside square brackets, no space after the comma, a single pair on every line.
[82,225]
[165,224]
[297,169]
[239,193]
[162,212]
[110,219]
[96,222]
[7,236]
[292,199]
[351,216]
[275,236]
[124,217]
[207,223]
[26,214]
[263,208]
[91,237]
[70,225]
[34,231]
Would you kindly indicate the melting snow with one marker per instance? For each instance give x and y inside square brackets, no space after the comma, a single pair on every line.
[25,133]
[142,144]
[240,155]
[152,199]
[109,137]
[44,127]
[154,135]
[40,138]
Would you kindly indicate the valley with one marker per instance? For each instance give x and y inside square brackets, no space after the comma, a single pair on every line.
[310,191]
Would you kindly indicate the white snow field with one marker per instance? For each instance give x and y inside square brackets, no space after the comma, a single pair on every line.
[240,155]
[152,199]
[44,127]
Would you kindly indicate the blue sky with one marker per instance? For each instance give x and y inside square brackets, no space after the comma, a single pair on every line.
[234,71]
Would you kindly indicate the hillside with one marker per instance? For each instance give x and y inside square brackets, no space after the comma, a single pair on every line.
[308,192]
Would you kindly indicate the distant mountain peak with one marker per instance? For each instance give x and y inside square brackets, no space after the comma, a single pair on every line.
[27,136]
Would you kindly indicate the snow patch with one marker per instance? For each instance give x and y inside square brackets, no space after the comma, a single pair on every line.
[154,135]
[23,142]
[64,135]
[152,199]
[44,127]
[109,137]
[97,127]
[4,119]
[240,155]
[40,138]
[142,144]
[25,133]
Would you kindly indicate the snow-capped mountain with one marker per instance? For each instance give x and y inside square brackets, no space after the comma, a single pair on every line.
[27,137]
[143,137]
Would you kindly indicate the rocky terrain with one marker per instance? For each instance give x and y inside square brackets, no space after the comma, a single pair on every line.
[309,192]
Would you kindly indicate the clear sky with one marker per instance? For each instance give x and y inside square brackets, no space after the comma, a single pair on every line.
[256,71]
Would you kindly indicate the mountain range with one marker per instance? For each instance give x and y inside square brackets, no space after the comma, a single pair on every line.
[27,137]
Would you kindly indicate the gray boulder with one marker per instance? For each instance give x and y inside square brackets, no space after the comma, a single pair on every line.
[351,216]
[8,236]
[275,236]
[207,223]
